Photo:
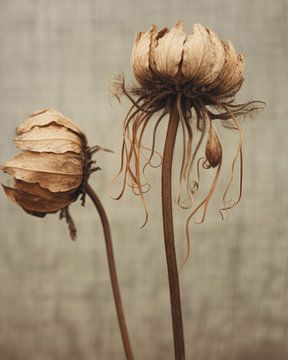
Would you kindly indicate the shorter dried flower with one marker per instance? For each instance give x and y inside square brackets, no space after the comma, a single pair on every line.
[53,168]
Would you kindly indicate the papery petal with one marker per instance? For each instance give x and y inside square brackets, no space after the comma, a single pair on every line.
[58,173]
[233,81]
[140,57]
[167,51]
[50,138]
[37,190]
[193,53]
[52,182]
[213,57]
[47,117]
[66,164]
[37,204]
[232,71]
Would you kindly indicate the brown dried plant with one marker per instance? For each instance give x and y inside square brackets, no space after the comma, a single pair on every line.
[194,79]
[54,167]
[51,173]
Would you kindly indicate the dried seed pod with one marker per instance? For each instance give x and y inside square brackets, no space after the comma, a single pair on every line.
[50,172]
[213,150]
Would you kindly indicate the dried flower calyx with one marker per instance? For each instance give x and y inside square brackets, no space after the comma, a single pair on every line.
[53,168]
[198,75]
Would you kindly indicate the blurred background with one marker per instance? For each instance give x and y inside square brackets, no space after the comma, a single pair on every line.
[55,299]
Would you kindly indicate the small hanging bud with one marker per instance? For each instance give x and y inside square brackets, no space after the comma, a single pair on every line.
[50,172]
[213,150]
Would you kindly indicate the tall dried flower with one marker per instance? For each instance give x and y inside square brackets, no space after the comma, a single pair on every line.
[51,173]
[194,78]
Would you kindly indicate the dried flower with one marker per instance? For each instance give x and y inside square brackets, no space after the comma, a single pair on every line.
[53,168]
[193,78]
[198,74]
[50,174]
[201,59]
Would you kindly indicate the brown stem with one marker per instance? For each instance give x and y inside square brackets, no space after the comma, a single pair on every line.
[167,211]
[113,273]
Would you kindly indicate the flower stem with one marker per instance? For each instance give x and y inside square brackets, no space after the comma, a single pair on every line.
[113,273]
[175,300]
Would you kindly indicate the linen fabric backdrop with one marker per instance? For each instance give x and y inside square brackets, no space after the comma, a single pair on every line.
[55,299]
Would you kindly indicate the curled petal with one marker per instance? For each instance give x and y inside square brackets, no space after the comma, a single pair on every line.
[47,117]
[140,57]
[237,76]
[213,57]
[66,164]
[52,182]
[50,138]
[38,204]
[167,51]
[37,190]
[193,53]
[58,173]
[232,72]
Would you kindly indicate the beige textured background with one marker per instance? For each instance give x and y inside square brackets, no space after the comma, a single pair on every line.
[55,298]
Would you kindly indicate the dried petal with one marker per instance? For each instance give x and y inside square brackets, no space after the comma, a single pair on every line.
[212,59]
[47,117]
[232,72]
[237,77]
[36,203]
[50,138]
[66,164]
[58,173]
[193,53]
[53,182]
[213,148]
[140,57]
[36,189]
[166,53]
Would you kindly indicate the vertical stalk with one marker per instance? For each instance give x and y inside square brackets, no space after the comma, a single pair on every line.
[113,273]
[167,210]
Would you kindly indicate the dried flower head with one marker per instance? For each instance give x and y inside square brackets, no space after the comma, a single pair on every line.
[198,75]
[53,168]
[200,59]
